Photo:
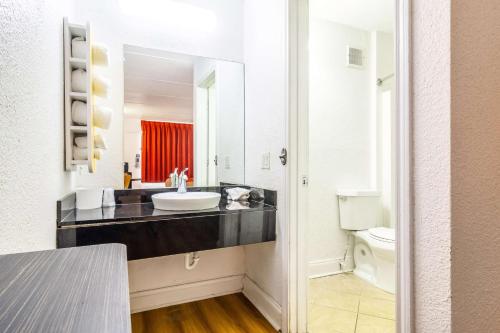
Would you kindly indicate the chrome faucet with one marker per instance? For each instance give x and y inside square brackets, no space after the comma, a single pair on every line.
[182,182]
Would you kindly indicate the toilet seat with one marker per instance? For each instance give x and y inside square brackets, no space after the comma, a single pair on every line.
[382,234]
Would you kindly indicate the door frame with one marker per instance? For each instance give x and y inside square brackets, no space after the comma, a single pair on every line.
[295,256]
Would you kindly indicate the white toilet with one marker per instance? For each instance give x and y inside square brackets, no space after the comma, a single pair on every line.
[374,246]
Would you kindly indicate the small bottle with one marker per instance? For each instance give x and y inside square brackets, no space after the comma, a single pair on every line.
[174,176]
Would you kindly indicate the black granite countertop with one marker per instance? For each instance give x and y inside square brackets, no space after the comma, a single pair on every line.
[137,212]
[136,206]
[83,289]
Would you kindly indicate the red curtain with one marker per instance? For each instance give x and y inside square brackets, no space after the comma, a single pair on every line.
[165,146]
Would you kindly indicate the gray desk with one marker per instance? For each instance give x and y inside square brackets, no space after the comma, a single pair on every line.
[83,289]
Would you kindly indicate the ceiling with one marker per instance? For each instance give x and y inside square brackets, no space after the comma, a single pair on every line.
[368,15]
[158,85]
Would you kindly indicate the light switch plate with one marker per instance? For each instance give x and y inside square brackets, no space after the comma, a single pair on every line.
[266,161]
[227,162]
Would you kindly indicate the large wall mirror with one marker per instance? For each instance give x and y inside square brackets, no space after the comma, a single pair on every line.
[182,112]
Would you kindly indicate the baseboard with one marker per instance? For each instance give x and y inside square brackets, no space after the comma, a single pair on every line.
[319,268]
[184,293]
[269,308]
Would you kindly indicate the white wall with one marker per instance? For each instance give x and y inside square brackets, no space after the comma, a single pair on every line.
[265,128]
[32,175]
[384,108]
[340,135]
[431,174]
[155,275]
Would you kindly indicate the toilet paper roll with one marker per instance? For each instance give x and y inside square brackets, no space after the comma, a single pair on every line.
[99,141]
[81,141]
[79,112]
[102,116]
[79,80]
[79,153]
[79,48]
[100,87]
[98,154]
[100,55]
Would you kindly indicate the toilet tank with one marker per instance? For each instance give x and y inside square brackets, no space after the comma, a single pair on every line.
[359,209]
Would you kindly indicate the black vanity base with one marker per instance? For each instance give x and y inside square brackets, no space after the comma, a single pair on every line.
[159,238]
[149,233]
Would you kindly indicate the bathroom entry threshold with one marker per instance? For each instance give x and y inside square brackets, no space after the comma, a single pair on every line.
[230,313]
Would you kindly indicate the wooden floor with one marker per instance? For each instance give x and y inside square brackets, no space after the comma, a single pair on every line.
[225,314]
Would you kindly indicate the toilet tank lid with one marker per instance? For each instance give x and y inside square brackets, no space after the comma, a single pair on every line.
[358,193]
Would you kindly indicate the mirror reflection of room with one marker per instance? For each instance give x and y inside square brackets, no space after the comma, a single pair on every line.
[183,120]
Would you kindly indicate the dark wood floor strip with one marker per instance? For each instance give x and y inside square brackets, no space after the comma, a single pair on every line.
[225,314]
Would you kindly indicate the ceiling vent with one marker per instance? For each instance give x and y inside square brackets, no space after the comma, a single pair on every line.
[354,57]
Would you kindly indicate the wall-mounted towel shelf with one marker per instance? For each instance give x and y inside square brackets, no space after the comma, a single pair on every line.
[70,64]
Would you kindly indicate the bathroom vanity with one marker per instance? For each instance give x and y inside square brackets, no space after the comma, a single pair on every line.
[148,232]
[82,289]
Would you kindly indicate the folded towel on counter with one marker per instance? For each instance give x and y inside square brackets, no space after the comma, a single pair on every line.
[79,48]
[79,80]
[102,116]
[237,205]
[79,112]
[100,55]
[238,193]
[100,87]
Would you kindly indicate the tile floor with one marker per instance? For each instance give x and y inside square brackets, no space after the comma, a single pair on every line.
[344,303]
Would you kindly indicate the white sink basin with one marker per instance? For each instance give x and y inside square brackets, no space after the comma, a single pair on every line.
[185,201]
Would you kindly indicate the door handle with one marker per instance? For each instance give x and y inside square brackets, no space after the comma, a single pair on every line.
[283,156]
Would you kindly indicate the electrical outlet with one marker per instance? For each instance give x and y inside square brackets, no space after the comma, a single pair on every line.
[227,162]
[266,161]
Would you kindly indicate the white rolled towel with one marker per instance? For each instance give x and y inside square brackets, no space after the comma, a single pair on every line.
[100,87]
[79,153]
[99,141]
[79,80]
[79,112]
[102,116]
[98,153]
[79,48]
[81,141]
[100,55]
